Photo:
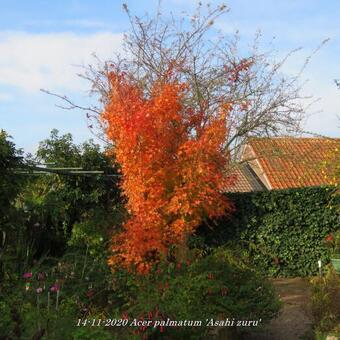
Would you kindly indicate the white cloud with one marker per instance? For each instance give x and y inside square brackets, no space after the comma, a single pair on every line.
[32,61]
[6,97]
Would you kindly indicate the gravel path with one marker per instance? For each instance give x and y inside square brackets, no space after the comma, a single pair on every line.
[294,320]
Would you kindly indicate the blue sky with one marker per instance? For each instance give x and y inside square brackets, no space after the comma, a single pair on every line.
[41,42]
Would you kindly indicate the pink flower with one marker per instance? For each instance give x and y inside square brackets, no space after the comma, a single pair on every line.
[55,288]
[39,290]
[41,276]
[27,275]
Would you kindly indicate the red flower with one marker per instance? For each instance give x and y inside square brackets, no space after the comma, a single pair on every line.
[210,276]
[330,238]
[179,265]
[90,293]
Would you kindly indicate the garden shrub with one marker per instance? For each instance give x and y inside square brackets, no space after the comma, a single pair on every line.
[51,296]
[217,286]
[53,203]
[10,158]
[282,231]
[38,213]
[325,302]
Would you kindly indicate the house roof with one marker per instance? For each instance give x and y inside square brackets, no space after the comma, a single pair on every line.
[297,162]
[245,180]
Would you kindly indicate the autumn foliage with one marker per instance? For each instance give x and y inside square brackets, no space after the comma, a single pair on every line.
[172,164]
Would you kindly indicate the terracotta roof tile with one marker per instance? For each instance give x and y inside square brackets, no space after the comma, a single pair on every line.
[297,162]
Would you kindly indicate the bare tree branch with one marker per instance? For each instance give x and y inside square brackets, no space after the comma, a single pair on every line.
[265,102]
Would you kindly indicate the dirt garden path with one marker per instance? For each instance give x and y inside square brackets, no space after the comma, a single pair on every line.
[294,320]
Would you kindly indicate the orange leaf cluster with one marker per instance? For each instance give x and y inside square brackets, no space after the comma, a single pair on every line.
[172,178]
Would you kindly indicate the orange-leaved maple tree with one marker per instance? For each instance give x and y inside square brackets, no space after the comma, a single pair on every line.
[172,164]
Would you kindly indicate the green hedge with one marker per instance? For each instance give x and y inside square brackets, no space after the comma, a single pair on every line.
[282,231]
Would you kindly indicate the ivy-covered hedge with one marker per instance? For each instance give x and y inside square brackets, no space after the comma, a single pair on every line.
[282,231]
